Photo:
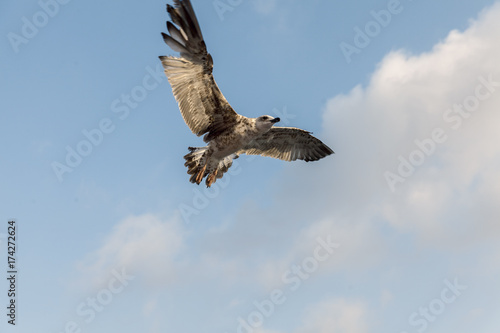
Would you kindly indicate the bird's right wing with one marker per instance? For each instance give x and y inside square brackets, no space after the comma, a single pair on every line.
[202,105]
[289,144]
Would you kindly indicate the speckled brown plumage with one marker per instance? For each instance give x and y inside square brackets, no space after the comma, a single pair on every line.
[207,112]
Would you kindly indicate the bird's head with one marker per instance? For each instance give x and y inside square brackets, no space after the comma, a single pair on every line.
[264,123]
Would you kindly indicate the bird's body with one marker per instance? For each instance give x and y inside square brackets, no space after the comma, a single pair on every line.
[206,111]
[230,141]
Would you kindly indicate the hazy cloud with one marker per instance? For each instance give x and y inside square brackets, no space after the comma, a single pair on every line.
[342,316]
[143,245]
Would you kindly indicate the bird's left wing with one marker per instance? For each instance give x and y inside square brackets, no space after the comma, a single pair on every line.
[202,105]
[288,144]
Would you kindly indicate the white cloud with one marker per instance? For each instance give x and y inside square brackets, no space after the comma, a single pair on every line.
[359,246]
[338,316]
[449,199]
[142,245]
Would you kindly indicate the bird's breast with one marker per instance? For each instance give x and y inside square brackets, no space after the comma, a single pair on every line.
[229,143]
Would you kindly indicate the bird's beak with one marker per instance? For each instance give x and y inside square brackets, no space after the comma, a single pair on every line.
[275,120]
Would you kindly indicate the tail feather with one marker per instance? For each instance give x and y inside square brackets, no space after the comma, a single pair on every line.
[221,169]
[199,166]
[196,162]
[225,164]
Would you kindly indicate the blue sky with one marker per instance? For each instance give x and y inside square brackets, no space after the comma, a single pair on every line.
[123,242]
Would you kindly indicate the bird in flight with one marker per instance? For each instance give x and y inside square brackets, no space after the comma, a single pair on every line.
[207,112]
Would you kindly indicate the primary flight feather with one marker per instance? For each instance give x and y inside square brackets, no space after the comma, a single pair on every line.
[206,111]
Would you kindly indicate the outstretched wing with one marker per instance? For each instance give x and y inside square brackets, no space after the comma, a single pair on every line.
[289,144]
[202,105]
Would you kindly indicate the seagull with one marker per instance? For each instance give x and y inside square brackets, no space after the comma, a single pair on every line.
[207,112]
